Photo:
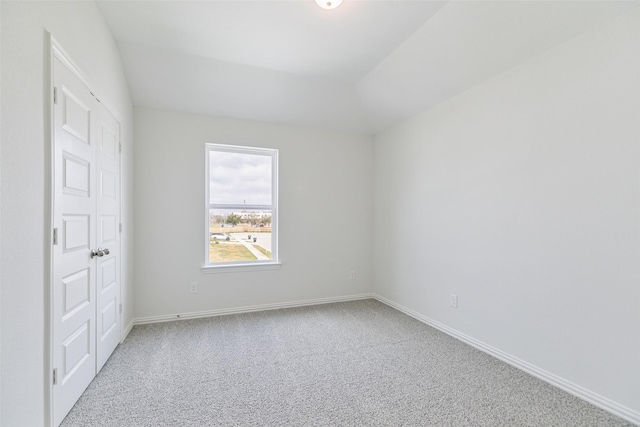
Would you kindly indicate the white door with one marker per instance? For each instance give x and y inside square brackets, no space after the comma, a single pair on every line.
[108,209]
[85,286]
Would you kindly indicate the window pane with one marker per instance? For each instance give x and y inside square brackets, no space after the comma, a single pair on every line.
[239,178]
[239,235]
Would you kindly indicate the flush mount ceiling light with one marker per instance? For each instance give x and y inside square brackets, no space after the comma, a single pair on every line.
[329,4]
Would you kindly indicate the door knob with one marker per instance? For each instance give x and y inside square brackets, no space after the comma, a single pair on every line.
[106,251]
[97,253]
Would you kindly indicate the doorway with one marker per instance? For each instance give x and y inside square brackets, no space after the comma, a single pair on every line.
[85,291]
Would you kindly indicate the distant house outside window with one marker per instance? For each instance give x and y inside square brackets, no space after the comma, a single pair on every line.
[241,206]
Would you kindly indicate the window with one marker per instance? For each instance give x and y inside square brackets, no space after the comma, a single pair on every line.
[241,206]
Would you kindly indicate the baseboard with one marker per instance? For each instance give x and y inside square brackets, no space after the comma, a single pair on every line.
[126,331]
[247,309]
[571,388]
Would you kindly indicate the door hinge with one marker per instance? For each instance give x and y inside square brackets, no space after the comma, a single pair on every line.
[121,227]
[55,236]
[120,308]
[55,96]
[55,376]
[120,147]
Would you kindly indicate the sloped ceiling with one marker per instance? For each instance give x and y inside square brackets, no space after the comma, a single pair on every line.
[360,68]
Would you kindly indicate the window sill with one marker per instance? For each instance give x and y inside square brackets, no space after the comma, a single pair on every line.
[233,268]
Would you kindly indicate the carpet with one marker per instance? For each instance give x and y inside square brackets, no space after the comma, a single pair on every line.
[357,363]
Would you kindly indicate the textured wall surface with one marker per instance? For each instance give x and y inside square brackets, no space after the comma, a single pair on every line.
[522,197]
[325,212]
[25,165]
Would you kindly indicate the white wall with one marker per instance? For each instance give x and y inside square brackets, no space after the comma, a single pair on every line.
[0,212]
[522,196]
[24,166]
[325,214]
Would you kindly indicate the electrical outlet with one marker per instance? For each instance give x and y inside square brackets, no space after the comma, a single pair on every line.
[352,275]
[454,300]
[194,287]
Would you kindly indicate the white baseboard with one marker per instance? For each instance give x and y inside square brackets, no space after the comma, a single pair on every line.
[247,309]
[126,331]
[571,388]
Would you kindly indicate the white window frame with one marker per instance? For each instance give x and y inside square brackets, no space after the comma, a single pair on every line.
[274,262]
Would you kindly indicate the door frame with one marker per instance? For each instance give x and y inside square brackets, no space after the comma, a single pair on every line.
[53,49]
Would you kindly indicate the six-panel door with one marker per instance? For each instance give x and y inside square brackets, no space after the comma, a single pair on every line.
[108,290]
[85,294]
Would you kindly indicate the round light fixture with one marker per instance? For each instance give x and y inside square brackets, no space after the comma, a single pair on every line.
[329,4]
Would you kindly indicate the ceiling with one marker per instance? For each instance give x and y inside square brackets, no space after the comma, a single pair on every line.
[359,68]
